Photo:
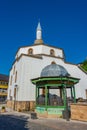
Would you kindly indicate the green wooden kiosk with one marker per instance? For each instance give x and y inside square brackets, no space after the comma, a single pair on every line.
[54,77]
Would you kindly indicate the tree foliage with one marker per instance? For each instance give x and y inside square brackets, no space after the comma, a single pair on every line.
[84,65]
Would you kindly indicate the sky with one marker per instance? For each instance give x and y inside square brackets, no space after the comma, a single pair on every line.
[63,22]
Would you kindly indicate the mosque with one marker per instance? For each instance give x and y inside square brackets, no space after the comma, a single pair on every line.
[41,75]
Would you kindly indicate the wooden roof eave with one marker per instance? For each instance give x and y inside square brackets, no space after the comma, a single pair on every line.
[64,79]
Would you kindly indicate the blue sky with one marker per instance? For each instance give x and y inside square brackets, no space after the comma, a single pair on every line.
[63,22]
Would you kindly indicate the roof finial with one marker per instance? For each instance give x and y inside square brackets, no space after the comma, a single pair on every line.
[39,26]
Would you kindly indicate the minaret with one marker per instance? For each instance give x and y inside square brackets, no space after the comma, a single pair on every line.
[38,35]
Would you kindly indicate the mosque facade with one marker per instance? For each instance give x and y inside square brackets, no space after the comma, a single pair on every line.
[29,63]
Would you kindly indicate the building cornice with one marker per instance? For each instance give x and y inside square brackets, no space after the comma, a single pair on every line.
[70,63]
[39,56]
[51,56]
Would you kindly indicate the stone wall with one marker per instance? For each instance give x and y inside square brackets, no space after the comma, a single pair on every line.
[79,112]
[21,105]
[10,104]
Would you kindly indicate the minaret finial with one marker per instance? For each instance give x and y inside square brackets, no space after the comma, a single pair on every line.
[39,26]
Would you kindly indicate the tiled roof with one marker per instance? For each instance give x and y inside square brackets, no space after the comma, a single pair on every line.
[54,70]
[4,77]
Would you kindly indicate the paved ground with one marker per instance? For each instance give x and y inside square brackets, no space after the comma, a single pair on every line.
[14,122]
[22,121]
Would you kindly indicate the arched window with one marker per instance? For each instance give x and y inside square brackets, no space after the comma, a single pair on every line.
[30,51]
[14,92]
[14,70]
[9,92]
[52,53]
[16,77]
[11,80]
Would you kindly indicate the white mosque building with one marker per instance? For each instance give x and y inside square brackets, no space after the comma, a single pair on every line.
[29,63]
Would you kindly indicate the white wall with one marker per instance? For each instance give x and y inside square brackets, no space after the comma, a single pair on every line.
[29,68]
[58,52]
[40,49]
[19,69]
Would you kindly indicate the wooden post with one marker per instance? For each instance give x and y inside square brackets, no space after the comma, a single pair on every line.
[74,94]
[36,96]
[71,93]
[37,93]
[46,96]
[64,96]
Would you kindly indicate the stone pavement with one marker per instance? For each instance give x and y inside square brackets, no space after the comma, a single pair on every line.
[7,122]
[55,124]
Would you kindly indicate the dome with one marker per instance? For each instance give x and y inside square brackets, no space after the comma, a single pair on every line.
[54,70]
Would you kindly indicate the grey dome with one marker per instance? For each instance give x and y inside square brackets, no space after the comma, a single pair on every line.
[54,70]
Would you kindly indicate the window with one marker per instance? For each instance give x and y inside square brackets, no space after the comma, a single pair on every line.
[2,83]
[14,70]
[52,53]
[6,83]
[14,92]
[9,92]
[11,80]
[30,51]
[16,77]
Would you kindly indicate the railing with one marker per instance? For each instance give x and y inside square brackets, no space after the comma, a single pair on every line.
[3,93]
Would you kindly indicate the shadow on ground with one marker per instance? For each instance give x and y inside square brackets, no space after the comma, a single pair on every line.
[11,122]
[16,122]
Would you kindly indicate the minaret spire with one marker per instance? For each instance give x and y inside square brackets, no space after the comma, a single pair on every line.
[39,26]
[39,34]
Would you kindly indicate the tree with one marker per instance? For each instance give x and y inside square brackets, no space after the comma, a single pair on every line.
[84,65]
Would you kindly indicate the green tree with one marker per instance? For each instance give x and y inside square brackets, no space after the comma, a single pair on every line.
[84,65]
